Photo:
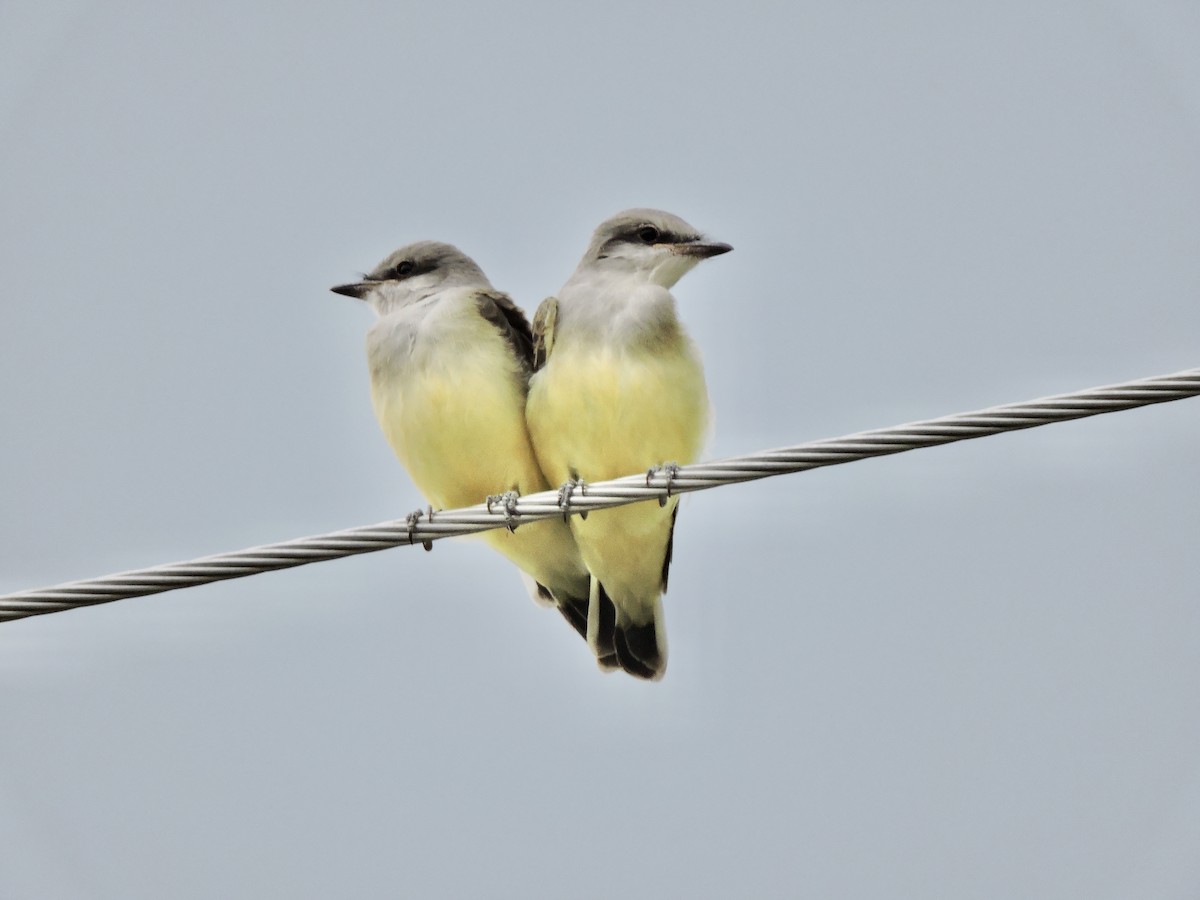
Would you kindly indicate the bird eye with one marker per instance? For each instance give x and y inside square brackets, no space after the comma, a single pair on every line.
[404,269]
[648,234]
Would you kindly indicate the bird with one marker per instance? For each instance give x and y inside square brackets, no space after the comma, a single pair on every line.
[449,359]
[618,387]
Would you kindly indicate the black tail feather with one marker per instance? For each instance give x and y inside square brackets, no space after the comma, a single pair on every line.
[638,650]
[604,643]
[574,611]
[602,620]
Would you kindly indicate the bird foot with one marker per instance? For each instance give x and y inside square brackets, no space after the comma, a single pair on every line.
[566,492]
[413,518]
[508,502]
[671,470]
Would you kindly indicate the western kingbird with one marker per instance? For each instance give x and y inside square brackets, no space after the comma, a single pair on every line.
[450,358]
[619,388]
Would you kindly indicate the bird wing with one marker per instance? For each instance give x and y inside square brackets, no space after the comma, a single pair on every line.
[501,312]
[666,569]
[543,331]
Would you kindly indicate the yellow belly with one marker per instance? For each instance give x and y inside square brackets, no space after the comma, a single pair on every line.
[602,414]
[461,439]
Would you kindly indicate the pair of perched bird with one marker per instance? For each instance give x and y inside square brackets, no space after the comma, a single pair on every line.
[606,383]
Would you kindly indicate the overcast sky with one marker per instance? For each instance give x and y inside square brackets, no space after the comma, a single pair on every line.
[965,672]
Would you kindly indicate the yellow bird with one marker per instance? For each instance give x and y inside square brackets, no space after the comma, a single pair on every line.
[619,388]
[450,358]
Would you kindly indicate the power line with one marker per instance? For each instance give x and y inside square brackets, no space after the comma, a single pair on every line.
[601,495]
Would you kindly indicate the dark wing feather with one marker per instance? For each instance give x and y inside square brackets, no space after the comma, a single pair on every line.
[499,309]
[543,332]
[670,549]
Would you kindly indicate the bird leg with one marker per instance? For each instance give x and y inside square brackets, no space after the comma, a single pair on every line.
[671,469]
[566,491]
[413,518]
[509,502]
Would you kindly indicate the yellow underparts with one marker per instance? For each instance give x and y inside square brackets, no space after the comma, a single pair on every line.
[601,414]
[462,436]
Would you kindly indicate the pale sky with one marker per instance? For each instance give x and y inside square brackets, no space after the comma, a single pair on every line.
[964,672]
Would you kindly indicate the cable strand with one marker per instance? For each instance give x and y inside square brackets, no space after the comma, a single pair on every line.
[602,495]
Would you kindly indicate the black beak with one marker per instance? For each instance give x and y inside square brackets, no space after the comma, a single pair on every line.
[357,290]
[702,249]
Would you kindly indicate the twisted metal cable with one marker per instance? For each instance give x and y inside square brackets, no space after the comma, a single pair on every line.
[601,495]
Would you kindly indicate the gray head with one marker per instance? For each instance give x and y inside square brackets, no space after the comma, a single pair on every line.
[650,244]
[413,273]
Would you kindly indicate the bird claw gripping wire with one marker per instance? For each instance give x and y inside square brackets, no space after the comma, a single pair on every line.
[671,469]
[413,518]
[566,492]
[509,502]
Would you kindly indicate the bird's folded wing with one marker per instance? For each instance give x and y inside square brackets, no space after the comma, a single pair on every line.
[499,310]
[543,331]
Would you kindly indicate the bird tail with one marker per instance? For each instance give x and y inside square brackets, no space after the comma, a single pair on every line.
[616,640]
[641,646]
[600,626]
[595,628]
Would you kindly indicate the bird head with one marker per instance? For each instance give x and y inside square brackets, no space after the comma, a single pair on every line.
[414,273]
[650,244]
